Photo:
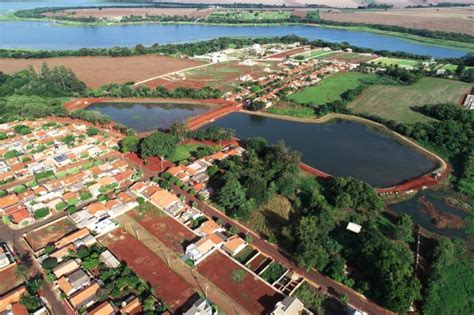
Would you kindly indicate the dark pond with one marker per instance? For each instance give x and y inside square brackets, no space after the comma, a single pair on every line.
[46,35]
[149,116]
[414,208]
[341,148]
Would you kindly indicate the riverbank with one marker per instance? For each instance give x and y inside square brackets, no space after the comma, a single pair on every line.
[409,37]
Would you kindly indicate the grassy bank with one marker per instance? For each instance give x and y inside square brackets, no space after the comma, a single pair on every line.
[398,102]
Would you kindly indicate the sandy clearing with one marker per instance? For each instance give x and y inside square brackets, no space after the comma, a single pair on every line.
[96,71]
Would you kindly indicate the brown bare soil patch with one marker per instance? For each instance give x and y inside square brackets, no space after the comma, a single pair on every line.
[164,228]
[223,76]
[9,279]
[459,20]
[51,233]
[120,12]
[251,293]
[96,71]
[169,286]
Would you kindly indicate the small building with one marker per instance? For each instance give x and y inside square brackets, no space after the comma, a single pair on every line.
[105,308]
[72,237]
[11,298]
[288,306]
[65,268]
[234,245]
[85,297]
[201,307]
[197,251]
[354,227]
[109,259]
[207,228]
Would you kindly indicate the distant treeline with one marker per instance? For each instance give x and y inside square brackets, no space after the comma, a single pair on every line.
[204,47]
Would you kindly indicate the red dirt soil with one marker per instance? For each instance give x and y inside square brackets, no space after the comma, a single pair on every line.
[50,233]
[169,287]
[251,293]
[97,71]
[9,279]
[165,229]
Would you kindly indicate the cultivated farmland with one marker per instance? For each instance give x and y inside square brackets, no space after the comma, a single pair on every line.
[96,71]
[243,287]
[457,20]
[396,102]
[330,88]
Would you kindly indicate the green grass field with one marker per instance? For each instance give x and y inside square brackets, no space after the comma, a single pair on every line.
[313,54]
[251,15]
[183,151]
[293,110]
[330,89]
[395,102]
[394,61]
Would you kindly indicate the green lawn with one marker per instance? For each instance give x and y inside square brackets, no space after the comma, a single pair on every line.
[314,54]
[183,152]
[394,61]
[293,110]
[251,15]
[395,102]
[330,89]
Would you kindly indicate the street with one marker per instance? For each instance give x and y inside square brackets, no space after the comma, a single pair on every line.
[280,255]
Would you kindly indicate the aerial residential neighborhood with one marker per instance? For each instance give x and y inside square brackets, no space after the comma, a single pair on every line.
[206,157]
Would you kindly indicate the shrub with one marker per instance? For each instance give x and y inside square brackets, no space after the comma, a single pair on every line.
[238,275]
[41,213]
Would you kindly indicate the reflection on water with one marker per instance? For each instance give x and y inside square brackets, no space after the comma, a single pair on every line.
[149,116]
[340,148]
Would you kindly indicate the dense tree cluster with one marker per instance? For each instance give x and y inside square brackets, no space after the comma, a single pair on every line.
[211,133]
[249,181]
[55,82]
[451,280]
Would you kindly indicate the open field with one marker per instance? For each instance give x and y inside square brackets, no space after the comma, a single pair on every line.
[183,152]
[164,228]
[395,102]
[329,89]
[349,57]
[9,279]
[119,12]
[251,15]
[291,109]
[224,76]
[51,233]
[251,293]
[457,20]
[169,286]
[269,219]
[313,54]
[394,61]
[96,71]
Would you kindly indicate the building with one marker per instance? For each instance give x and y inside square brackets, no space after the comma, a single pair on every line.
[353,227]
[85,297]
[201,307]
[65,268]
[108,259]
[105,308]
[199,250]
[289,306]
[11,298]
[234,245]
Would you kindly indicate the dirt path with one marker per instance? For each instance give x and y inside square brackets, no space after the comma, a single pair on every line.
[172,73]
[197,281]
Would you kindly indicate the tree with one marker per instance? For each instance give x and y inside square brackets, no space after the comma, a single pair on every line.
[91,131]
[129,144]
[158,144]
[404,228]
[231,195]
[179,129]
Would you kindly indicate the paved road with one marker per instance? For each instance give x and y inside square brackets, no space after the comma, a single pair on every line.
[13,237]
[332,287]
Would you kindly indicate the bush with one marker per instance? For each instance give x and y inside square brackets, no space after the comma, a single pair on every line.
[238,275]
[41,213]
[49,263]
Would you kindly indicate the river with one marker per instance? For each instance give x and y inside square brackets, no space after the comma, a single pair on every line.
[48,35]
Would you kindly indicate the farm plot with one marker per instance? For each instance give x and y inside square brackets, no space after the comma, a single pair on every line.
[50,233]
[97,71]
[330,88]
[439,19]
[164,228]
[169,286]
[253,294]
[9,279]
[398,102]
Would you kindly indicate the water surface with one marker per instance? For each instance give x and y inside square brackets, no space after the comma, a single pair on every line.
[47,35]
[340,148]
[149,116]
